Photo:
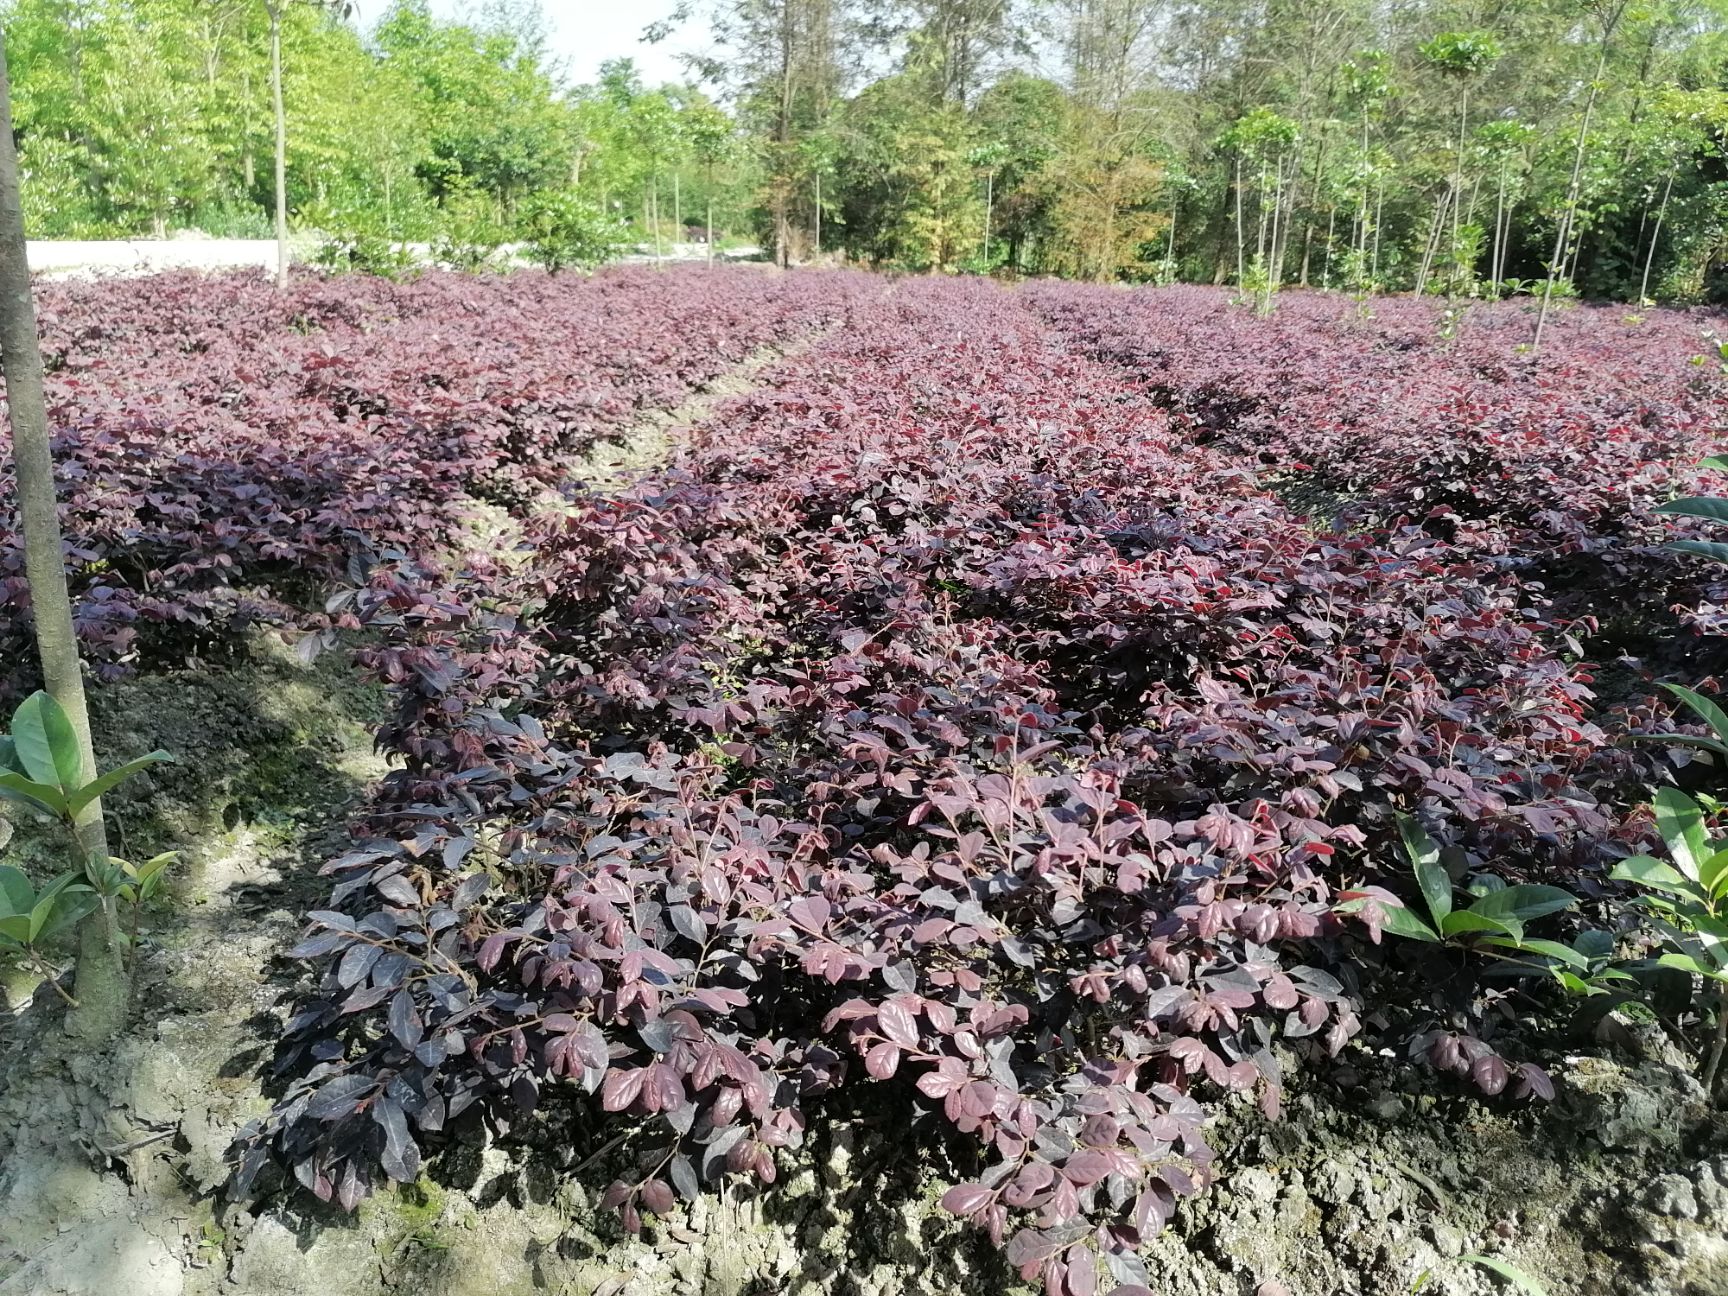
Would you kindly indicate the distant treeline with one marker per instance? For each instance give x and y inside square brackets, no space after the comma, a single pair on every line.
[1440,146]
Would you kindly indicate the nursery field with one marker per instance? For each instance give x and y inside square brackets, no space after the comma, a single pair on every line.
[1028,721]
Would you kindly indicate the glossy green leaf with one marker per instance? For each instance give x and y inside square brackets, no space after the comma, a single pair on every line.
[1574,983]
[1524,903]
[44,796]
[1656,875]
[1703,707]
[69,910]
[1545,949]
[1430,872]
[1465,921]
[1396,919]
[46,742]
[1696,966]
[17,896]
[1710,745]
[119,774]
[1595,943]
[1712,549]
[1681,824]
[1717,463]
[1713,874]
[1711,507]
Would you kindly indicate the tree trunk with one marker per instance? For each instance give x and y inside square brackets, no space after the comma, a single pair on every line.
[1240,274]
[1458,190]
[989,210]
[1379,213]
[1331,227]
[1563,233]
[275,12]
[783,153]
[1656,233]
[101,977]
[1499,221]
[1432,245]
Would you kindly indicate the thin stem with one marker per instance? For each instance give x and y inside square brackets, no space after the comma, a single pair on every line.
[1721,1041]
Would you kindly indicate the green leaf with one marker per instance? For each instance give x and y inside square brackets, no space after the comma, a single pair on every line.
[15,928]
[1719,463]
[1710,745]
[119,774]
[1470,920]
[1397,919]
[1703,707]
[148,874]
[46,742]
[44,796]
[16,893]
[9,755]
[1430,872]
[1681,823]
[1595,943]
[1524,903]
[1702,548]
[1545,949]
[1698,506]
[1696,966]
[71,907]
[1510,1272]
[1656,875]
[43,911]
[1713,876]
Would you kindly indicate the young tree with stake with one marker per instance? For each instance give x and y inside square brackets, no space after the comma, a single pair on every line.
[101,984]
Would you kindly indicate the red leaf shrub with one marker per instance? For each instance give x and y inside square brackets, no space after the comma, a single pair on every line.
[944,717]
[1548,462]
[225,450]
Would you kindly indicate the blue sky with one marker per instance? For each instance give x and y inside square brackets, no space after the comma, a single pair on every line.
[584,33]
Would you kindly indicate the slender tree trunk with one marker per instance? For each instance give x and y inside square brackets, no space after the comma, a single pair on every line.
[1331,225]
[1719,1043]
[659,247]
[1240,272]
[275,12]
[101,977]
[1379,212]
[782,192]
[1432,245]
[1656,233]
[1260,236]
[1362,204]
[989,213]
[1499,219]
[677,211]
[1564,231]
[1458,189]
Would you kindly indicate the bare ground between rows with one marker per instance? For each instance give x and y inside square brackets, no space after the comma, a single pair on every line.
[109,1165]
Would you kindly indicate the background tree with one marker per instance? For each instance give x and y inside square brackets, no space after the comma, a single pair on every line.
[1461,58]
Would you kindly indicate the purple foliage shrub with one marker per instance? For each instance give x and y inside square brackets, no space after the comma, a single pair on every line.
[949,715]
